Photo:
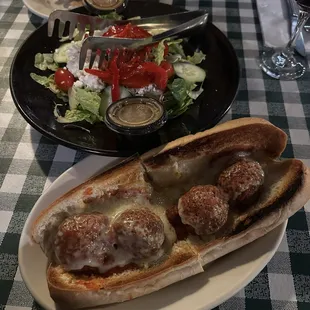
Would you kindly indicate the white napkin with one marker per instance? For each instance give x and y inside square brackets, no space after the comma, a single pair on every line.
[275,23]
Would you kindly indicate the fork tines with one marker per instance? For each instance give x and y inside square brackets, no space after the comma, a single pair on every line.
[75,20]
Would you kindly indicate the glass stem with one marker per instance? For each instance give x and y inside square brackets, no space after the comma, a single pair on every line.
[302,19]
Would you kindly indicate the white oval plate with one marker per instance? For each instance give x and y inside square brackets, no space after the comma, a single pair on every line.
[44,8]
[221,280]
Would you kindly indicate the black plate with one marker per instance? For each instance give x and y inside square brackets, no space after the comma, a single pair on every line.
[36,104]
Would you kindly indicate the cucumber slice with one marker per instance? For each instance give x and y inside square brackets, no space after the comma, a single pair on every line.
[72,98]
[189,72]
[60,55]
[106,98]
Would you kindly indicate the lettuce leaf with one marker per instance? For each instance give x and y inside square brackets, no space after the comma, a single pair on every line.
[175,47]
[197,58]
[77,36]
[44,62]
[178,98]
[73,116]
[180,89]
[48,82]
[159,51]
[112,15]
[85,108]
[88,101]
[43,80]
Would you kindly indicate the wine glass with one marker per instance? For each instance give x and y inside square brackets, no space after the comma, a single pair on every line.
[285,63]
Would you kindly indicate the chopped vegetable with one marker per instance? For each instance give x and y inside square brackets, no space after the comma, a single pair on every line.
[84,106]
[106,76]
[174,58]
[133,71]
[180,89]
[76,36]
[175,47]
[137,80]
[88,100]
[72,116]
[160,51]
[64,79]
[106,98]
[127,31]
[60,55]
[197,58]
[111,15]
[45,61]
[159,73]
[179,97]
[168,67]
[49,83]
[43,80]
[189,72]
[72,98]
[115,77]
[161,70]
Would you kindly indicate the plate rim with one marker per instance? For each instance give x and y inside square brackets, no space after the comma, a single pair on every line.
[104,152]
[258,270]
[28,5]
[85,162]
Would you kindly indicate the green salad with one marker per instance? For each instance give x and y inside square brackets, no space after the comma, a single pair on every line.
[161,70]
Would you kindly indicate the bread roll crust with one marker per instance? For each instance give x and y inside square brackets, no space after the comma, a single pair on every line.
[76,292]
[171,164]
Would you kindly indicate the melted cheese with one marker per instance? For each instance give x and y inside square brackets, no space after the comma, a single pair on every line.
[114,206]
[121,259]
[166,197]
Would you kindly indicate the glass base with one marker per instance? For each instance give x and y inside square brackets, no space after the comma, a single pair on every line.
[282,64]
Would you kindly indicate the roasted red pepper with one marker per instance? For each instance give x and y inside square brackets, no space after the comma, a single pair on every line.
[137,81]
[115,76]
[128,70]
[168,67]
[127,31]
[159,73]
[133,68]
[106,76]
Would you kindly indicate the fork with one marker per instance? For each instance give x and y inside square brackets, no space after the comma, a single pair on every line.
[82,21]
[104,44]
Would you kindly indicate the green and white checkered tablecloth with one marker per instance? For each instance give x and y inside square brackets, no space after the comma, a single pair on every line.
[30,162]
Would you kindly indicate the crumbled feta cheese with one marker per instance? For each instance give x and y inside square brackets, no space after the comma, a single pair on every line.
[92,82]
[147,89]
[89,81]
[78,84]
[73,55]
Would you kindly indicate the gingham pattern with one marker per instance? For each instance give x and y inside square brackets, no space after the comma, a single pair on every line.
[30,162]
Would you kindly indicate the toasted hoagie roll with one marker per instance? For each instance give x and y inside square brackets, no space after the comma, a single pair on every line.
[159,218]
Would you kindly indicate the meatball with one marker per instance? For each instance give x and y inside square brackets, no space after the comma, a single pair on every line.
[84,240]
[140,232]
[242,181]
[205,208]
[182,231]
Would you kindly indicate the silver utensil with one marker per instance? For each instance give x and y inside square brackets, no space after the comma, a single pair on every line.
[293,14]
[170,24]
[83,21]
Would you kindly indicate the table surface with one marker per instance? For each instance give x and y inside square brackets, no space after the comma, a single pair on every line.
[30,162]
